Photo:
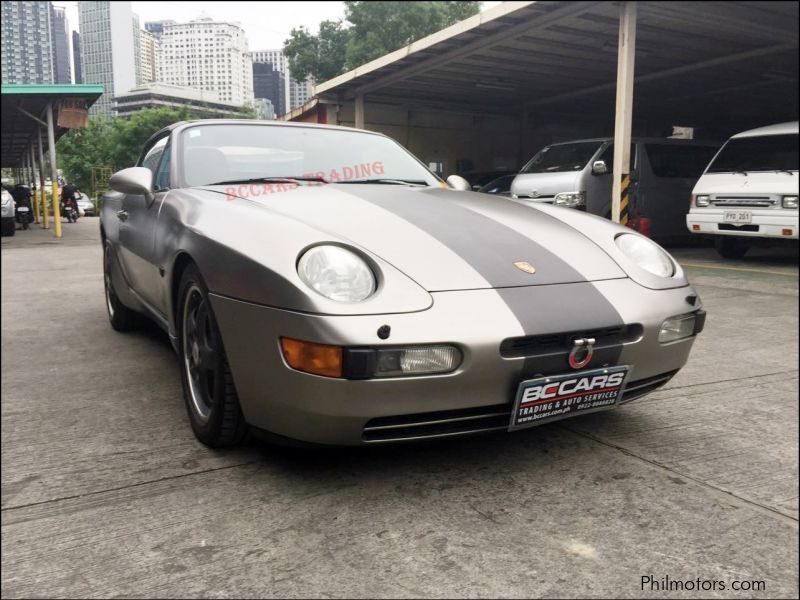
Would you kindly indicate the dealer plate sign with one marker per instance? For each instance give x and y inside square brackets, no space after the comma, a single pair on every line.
[559,396]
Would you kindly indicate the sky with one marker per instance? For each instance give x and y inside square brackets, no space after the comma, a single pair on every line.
[267,24]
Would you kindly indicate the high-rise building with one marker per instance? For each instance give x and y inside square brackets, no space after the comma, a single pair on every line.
[157,27]
[76,56]
[149,56]
[27,47]
[208,55]
[60,35]
[270,84]
[137,48]
[280,64]
[300,92]
[108,53]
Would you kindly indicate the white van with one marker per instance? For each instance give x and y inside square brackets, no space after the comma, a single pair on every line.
[749,190]
[578,174]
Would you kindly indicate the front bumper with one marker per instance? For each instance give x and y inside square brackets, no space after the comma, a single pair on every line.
[322,410]
[765,223]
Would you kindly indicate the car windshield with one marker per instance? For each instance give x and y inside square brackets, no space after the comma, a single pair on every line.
[762,153]
[562,157]
[218,153]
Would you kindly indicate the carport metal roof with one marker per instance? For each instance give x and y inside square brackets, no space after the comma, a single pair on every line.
[730,65]
[19,129]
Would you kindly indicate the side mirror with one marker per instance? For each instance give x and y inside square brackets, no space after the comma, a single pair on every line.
[458,183]
[599,167]
[135,180]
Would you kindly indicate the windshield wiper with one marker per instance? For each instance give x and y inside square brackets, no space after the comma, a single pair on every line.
[787,171]
[388,181]
[271,180]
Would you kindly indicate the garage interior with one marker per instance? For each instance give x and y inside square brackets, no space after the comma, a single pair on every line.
[490,91]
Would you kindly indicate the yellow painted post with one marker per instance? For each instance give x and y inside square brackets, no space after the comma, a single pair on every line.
[42,198]
[51,146]
[34,199]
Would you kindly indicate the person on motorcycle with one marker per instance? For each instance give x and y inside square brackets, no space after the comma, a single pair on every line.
[68,192]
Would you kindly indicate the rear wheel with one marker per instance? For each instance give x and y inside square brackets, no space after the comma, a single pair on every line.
[731,247]
[208,388]
[120,316]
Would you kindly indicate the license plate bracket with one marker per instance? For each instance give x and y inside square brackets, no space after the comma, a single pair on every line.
[547,399]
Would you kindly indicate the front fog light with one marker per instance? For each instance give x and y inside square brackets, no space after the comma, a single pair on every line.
[368,363]
[790,202]
[677,328]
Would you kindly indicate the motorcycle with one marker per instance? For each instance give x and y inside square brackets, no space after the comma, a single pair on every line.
[23,213]
[69,208]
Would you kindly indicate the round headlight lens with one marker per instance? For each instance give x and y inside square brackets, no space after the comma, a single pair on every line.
[648,255]
[336,273]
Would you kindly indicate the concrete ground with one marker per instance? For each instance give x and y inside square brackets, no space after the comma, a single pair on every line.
[105,492]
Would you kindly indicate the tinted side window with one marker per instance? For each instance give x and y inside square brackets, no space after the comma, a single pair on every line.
[153,155]
[162,176]
[608,156]
[669,160]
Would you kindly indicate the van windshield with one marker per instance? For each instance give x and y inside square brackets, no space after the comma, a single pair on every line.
[762,153]
[562,157]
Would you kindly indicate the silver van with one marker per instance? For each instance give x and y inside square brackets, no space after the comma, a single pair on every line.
[578,175]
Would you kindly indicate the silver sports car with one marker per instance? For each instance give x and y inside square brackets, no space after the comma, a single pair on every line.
[320,284]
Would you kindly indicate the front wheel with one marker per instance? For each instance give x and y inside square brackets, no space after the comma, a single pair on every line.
[731,247]
[208,388]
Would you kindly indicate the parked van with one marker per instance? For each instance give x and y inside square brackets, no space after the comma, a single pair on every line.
[749,190]
[578,175]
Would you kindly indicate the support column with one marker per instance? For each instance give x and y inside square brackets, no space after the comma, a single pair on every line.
[624,112]
[51,146]
[42,199]
[523,135]
[35,193]
[359,108]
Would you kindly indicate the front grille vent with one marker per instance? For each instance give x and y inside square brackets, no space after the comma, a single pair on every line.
[539,345]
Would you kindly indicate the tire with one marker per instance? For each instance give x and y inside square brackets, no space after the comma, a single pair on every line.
[731,247]
[120,316]
[208,388]
[8,227]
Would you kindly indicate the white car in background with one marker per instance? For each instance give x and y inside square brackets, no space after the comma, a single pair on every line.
[749,190]
[9,225]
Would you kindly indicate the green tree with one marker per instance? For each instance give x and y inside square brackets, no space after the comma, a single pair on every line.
[370,30]
[117,142]
[321,55]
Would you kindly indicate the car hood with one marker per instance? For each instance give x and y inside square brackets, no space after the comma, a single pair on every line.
[544,185]
[755,183]
[442,239]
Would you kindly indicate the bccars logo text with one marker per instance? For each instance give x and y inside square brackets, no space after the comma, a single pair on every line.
[572,386]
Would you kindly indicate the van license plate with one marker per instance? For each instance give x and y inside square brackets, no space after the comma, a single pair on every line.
[738,217]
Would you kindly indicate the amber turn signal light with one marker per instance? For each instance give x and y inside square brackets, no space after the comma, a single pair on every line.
[319,359]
